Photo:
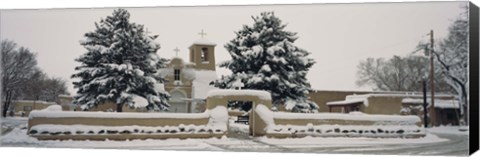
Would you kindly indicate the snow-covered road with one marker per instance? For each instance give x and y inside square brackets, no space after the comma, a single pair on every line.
[437,142]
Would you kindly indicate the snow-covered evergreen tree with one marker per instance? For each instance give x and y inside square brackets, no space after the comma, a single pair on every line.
[119,66]
[264,57]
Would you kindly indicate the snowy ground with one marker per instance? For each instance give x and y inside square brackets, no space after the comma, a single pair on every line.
[439,141]
[457,130]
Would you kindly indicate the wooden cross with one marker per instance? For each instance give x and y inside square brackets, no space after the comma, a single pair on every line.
[176,51]
[146,31]
[202,33]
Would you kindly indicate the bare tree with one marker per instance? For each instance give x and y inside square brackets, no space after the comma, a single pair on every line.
[53,87]
[451,56]
[32,89]
[17,67]
[396,74]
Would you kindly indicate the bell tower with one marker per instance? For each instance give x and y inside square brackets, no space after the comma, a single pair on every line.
[202,53]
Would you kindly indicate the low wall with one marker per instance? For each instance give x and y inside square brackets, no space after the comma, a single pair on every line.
[62,125]
[283,124]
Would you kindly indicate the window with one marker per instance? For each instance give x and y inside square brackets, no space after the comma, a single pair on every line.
[451,115]
[27,108]
[204,55]
[355,108]
[177,74]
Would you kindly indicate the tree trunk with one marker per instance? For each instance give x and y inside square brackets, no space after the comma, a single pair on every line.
[119,107]
[5,109]
[6,104]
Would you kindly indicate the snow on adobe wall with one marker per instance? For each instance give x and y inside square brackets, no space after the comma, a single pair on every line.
[53,129]
[382,126]
[53,108]
[217,124]
[264,95]
[36,102]
[267,115]
[353,116]
[201,83]
[218,118]
[140,115]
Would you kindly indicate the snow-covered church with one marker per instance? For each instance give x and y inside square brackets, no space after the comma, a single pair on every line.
[188,81]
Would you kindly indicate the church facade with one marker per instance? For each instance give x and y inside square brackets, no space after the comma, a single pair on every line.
[188,81]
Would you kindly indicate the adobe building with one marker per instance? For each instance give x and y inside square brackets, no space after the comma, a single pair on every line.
[446,107]
[189,82]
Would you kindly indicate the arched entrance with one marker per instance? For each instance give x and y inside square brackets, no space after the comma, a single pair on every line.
[225,97]
[177,102]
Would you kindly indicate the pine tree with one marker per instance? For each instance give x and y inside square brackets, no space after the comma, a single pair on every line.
[264,57]
[119,66]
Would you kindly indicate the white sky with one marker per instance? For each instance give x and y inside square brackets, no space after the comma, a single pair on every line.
[337,35]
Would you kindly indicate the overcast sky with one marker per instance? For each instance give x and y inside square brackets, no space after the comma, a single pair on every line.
[339,36]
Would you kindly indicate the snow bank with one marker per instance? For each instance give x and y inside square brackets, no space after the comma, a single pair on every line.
[218,118]
[264,95]
[53,108]
[201,83]
[265,114]
[457,130]
[322,142]
[139,101]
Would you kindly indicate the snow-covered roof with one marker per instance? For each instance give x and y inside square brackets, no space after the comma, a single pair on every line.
[352,99]
[69,114]
[203,41]
[345,102]
[201,83]
[264,95]
[37,102]
[439,103]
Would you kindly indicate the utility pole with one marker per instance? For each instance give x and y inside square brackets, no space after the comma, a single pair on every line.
[425,103]
[432,84]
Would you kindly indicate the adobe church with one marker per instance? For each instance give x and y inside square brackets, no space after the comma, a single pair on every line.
[188,81]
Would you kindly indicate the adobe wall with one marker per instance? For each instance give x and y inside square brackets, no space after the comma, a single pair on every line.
[116,121]
[384,105]
[119,126]
[301,126]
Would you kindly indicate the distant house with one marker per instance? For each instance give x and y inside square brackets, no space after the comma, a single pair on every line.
[22,108]
[447,111]
[446,107]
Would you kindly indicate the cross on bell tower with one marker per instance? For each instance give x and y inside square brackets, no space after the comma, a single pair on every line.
[202,53]
[202,33]
[176,51]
